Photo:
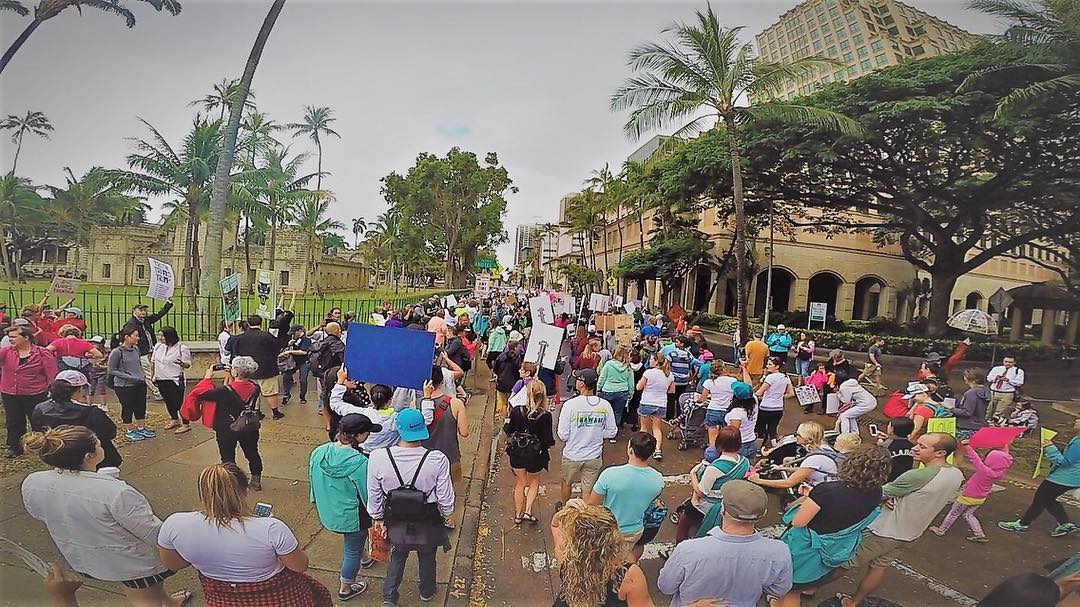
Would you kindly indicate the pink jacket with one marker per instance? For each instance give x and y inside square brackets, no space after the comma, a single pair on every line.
[29,378]
[818,379]
[982,482]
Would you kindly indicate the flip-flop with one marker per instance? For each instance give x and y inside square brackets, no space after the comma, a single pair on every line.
[184,595]
[517,520]
[840,596]
[530,518]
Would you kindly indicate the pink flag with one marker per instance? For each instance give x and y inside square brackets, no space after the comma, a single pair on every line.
[992,437]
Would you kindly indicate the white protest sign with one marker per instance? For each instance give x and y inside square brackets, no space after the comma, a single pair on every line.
[540,309]
[598,302]
[63,286]
[617,301]
[264,286]
[561,303]
[482,287]
[832,404]
[630,307]
[451,301]
[162,280]
[545,339]
[807,395]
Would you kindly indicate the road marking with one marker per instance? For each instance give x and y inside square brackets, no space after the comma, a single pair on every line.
[676,479]
[939,587]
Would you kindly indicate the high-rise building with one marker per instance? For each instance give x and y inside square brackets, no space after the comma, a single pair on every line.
[526,239]
[863,35]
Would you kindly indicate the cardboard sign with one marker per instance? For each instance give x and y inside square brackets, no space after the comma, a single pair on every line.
[388,355]
[807,395]
[561,303]
[544,340]
[541,310]
[623,321]
[264,286]
[510,300]
[230,298]
[625,337]
[598,302]
[993,437]
[482,288]
[604,322]
[162,280]
[1045,434]
[63,286]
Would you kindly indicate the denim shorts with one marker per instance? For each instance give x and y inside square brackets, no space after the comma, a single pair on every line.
[652,410]
[714,418]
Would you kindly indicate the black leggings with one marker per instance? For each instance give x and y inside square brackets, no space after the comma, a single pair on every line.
[1046,499]
[249,444]
[172,392]
[17,410]
[768,424]
[673,402]
[132,402]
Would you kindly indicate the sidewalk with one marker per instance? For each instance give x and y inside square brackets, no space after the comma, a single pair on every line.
[165,470]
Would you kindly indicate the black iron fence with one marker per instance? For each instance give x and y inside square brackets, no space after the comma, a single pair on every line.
[106,311]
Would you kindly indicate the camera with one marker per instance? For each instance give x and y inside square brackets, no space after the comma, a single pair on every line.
[219,366]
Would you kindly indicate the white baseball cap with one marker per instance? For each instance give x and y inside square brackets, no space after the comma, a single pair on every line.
[73,378]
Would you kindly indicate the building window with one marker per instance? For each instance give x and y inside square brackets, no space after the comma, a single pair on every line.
[841,32]
[888,20]
[854,27]
[848,57]
[838,76]
[862,51]
[851,71]
[876,45]
[817,45]
[845,45]
[834,12]
[284,280]
[140,272]
[832,51]
[894,31]
[106,270]
[865,65]
[819,9]
[880,59]
[857,39]
[850,16]
[814,34]
[917,50]
[826,79]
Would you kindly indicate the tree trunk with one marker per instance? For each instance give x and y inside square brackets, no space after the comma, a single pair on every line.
[17,44]
[4,259]
[270,256]
[247,251]
[942,282]
[216,223]
[740,231]
[18,148]
[318,177]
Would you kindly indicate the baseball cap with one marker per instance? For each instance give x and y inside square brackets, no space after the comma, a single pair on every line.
[781,328]
[73,378]
[20,322]
[515,336]
[357,423]
[140,307]
[295,328]
[741,389]
[744,501]
[587,376]
[933,357]
[73,310]
[915,388]
[410,425]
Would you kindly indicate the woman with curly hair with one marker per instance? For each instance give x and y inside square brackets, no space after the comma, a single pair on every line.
[825,527]
[592,558]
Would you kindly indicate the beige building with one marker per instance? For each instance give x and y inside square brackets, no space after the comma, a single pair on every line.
[863,35]
[118,256]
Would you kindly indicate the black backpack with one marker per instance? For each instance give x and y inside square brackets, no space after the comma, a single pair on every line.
[407,504]
[523,444]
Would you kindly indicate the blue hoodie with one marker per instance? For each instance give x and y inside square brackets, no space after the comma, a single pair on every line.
[338,479]
[1066,469]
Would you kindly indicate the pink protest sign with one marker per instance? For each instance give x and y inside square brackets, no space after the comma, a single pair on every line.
[993,437]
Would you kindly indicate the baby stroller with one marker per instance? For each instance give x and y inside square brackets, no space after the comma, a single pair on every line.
[788,448]
[689,426]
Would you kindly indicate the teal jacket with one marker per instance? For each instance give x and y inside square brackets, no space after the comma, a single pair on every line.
[615,378]
[813,556]
[1066,470]
[497,340]
[338,480]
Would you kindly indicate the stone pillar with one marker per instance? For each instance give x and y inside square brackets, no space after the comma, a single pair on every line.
[845,301]
[1073,327]
[716,306]
[799,292]
[1049,321]
[1016,333]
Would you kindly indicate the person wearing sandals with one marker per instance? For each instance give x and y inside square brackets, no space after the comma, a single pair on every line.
[243,560]
[630,489]
[337,474]
[103,527]
[529,438]
[169,359]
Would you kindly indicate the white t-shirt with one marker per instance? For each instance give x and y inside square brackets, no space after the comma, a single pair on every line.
[584,423]
[746,423]
[823,468]
[656,387]
[229,554]
[222,339]
[164,358]
[773,399]
[720,392]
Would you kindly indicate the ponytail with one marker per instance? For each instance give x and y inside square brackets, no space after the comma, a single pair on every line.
[63,447]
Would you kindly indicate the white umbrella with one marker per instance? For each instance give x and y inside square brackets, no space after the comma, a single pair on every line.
[974,321]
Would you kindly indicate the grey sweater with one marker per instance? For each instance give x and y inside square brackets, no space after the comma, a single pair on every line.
[125,367]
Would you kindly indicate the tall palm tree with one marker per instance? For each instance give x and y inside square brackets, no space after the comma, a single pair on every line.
[701,75]
[359,226]
[94,199]
[316,124]
[221,97]
[312,220]
[219,198]
[20,207]
[280,190]
[1048,32]
[33,122]
[47,9]
[610,204]
[256,136]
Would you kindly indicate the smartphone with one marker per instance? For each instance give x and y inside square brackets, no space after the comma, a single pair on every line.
[219,367]
[873,430]
[262,509]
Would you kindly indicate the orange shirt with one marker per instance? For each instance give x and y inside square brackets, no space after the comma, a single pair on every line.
[756,352]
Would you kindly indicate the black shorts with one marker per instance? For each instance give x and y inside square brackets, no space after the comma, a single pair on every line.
[143,582]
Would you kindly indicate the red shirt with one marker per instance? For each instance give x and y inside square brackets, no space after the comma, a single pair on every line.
[71,346]
[28,377]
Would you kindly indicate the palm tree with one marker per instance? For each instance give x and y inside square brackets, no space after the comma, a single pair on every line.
[256,137]
[222,96]
[312,220]
[94,199]
[1048,32]
[219,197]
[20,207]
[14,6]
[316,124]
[610,204]
[279,190]
[47,9]
[702,75]
[33,122]
[359,226]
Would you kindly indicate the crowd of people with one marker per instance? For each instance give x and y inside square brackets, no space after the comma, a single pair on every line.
[386,479]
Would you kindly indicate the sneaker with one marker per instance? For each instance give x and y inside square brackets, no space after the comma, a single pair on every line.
[427,599]
[1063,530]
[978,539]
[367,563]
[278,415]
[938,531]
[1013,526]
[10,453]
[261,414]
[134,435]
[147,432]
[355,589]
[658,455]
[303,401]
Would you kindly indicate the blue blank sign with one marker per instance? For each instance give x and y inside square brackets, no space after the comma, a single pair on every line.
[396,357]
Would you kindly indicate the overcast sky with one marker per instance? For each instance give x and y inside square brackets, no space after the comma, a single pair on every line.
[530,81]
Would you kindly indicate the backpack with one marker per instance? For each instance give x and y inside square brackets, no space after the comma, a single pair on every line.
[441,406]
[835,456]
[407,504]
[523,445]
[680,366]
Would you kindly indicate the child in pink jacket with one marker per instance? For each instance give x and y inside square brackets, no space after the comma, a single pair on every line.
[976,490]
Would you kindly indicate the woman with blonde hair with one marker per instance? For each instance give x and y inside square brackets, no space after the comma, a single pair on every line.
[529,437]
[817,467]
[592,560]
[103,527]
[656,383]
[242,559]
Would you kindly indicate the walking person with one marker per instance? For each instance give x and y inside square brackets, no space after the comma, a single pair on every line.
[410,514]
[1004,380]
[26,370]
[103,527]
[657,382]
[64,407]
[872,371]
[233,418]
[223,343]
[616,383]
[170,359]
[774,388]
[716,391]
[976,490]
[804,355]
[298,351]
[742,415]
[1064,476]
[243,560]
[263,349]
[507,373]
[449,421]
[529,438]
[628,490]
[584,422]
[143,323]
[682,364]
[337,475]
[126,373]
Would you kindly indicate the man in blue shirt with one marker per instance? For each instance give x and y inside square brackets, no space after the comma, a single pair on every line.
[628,490]
[779,343]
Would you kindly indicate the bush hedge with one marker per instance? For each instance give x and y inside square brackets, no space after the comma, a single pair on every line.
[903,345]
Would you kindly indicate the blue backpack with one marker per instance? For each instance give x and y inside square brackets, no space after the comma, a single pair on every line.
[680,366]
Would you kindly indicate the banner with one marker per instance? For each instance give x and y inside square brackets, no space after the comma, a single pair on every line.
[264,287]
[400,358]
[61,286]
[546,340]
[561,303]
[230,298]
[599,302]
[162,280]
[541,310]
[1045,434]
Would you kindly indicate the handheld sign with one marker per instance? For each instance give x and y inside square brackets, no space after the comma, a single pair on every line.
[230,298]
[1045,434]
[561,303]
[545,342]
[541,310]
[993,437]
[63,287]
[599,302]
[162,280]
[388,355]
[807,395]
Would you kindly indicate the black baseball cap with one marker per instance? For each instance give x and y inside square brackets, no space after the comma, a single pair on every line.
[357,423]
[587,376]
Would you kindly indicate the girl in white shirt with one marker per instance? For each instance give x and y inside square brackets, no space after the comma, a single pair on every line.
[169,360]
[717,391]
[774,388]
[656,383]
[743,414]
